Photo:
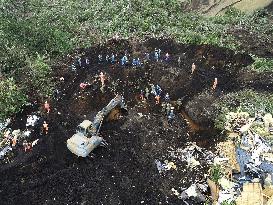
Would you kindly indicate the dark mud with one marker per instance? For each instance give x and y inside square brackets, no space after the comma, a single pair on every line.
[125,171]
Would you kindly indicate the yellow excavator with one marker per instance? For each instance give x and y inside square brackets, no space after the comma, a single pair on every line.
[87,138]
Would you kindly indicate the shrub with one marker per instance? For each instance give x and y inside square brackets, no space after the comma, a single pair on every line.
[215,173]
[262,64]
[38,74]
[246,101]
[12,98]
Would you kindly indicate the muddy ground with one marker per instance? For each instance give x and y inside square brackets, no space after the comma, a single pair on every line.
[125,171]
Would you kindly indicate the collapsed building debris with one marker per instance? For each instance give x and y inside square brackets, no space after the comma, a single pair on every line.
[248,162]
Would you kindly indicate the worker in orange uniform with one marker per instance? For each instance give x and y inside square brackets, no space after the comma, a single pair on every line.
[215,83]
[14,141]
[47,106]
[83,85]
[45,126]
[157,99]
[193,68]
[102,78]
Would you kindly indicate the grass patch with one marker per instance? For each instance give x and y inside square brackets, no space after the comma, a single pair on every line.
[262,64]
[246,101]
[53,28]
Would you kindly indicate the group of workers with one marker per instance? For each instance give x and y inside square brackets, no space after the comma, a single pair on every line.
[136,62]
[156,91]
[124,60]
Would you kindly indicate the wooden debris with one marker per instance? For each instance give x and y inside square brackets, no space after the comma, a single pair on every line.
[214,189]
[228,149]
[251,195]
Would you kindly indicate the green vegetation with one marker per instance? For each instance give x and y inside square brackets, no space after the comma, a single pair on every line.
[30,30]
[12,98]
[215,173]
[262,64]
[228,203]
[246,101]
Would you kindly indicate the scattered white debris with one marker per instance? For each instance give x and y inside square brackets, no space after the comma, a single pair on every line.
[4,124]
[31,120]
[164,166]
[27,133]
[225,183]
[192,162]
[175,192]
[220,160]
[34,142]
[4,151]
[16,132]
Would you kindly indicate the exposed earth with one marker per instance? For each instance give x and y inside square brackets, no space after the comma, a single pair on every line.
[125,171]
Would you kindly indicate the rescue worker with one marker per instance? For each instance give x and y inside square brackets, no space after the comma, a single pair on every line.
[171,117]
[163,105]
[26,145]
[167,97]
[79,61]
[153,91]
[142,95]
[73,67]
[156,56]
[215,84]
[47,106]
[138,63]
[179,61]
[167,57]
[157,99]
[102,78]
[147,93]
[158,90]
[124,60]
[147,56]
[45,127]
[100,58]
[107,58]
[113,58]
[83,85]
[87,61]
[168,108]
[134,63]
[159,52]
[179,103]
[14,141]
[193,68]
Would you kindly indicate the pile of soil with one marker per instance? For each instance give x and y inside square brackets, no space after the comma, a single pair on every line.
[124,172]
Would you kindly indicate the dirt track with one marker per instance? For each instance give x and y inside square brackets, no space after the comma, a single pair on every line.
[125,171]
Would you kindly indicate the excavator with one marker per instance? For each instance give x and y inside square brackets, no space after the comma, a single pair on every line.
[87,136]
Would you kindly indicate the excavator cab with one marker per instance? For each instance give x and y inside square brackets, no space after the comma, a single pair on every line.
[84,127]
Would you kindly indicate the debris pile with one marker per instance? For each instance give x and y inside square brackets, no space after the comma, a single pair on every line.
[245,160]
[196,159]
[16,139]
